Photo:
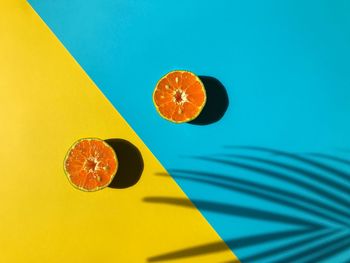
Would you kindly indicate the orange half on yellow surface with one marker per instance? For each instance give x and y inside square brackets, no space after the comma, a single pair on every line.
[90,164]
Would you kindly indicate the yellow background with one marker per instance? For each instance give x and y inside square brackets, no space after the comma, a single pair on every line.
[46,103]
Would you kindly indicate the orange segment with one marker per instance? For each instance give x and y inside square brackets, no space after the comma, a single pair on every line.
[179,96]
[175,79]
[90,164]
[187,79]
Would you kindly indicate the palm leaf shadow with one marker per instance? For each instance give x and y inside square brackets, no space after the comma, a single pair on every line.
[320,251]
[313,163]
[297,170]
[319,232]
[332,158]
[288,247]
[265,192]
[217,246]
[284,177]
[235,210]
[314,238]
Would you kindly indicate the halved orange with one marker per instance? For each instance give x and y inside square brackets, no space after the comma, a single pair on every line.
[90,164]
[179,96]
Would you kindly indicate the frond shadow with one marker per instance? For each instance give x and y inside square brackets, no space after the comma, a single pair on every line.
[312,240]
[238,243]
[284,177]
[266,192]
[313,163]
[235,210]
[321,250]
[332,158]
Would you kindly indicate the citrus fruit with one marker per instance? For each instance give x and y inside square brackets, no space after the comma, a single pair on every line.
[90,164]
[179,96]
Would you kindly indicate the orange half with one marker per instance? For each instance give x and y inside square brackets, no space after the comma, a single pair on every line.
[90,164]
[179,96]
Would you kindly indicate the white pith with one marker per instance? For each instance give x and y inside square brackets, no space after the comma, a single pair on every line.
[183,96]
[95,169]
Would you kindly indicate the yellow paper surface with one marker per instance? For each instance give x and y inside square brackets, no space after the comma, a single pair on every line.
[46,103]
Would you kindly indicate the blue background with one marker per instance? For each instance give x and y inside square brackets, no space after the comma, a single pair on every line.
[286,68]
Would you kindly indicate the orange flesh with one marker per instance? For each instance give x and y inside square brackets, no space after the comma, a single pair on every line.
[179,96]
[91,164]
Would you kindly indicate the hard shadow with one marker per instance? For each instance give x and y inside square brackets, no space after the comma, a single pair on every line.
[235,211]
[261,191]
[297,170]
[217,102]
[313,239]
[289,247]
[306,236]
[237,243]
[334,248]
[332,158]
[321,166]
[285,177]
[320,251]
[276,191]
[130,163]
[301,172]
